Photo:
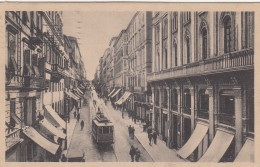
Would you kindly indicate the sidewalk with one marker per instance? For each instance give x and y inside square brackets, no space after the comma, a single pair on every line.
[155,151]
[70,127]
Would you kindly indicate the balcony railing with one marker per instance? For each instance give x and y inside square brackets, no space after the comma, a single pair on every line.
[58,71]
[203,113]
[234,60]
[226,119]
[12,138]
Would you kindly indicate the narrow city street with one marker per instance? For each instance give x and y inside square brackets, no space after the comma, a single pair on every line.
[119,151]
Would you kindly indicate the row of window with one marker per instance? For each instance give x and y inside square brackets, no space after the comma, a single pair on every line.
[228,40]
[226,105]
[55,87]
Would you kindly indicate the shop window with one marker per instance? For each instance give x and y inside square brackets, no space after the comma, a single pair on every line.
[176,54]
[227,109]
[187,130]
[227,34]
[187,102]
[203,111]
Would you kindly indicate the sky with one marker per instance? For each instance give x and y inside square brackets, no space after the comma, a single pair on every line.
[94,31]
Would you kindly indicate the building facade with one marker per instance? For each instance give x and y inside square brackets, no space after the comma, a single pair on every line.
[36,70]
[203,76]
[139,32]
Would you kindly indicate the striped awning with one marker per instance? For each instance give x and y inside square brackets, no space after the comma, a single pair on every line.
[111,92]
[51,112]
[123,98]
[116,93]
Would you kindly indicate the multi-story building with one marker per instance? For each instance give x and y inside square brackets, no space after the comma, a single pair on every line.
[139,33]
[36,67]
[203,82]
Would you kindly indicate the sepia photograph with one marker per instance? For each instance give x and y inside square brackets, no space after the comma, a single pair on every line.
[129,86]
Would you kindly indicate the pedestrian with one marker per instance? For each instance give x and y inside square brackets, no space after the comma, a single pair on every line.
[122,114]
[132,153]
[150,136]
[155,137]
[137,154]
[68,119]
[129,130]
[74,114]
[133,132]
[82,124]
[78,117]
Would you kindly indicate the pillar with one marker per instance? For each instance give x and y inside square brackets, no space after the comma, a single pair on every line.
[211,113]
[160,111]
[192,32]
[211,34]
[192,109]
[179,43]
[154,61]
[238,31]
[169,46]
[160,47]
[179,125]
[169,118]
[238,119]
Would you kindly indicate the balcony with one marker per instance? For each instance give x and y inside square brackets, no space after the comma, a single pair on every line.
[57,72]
[12,139]
[234,61]
[33,83]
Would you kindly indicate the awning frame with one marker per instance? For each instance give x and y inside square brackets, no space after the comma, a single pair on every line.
[116,93]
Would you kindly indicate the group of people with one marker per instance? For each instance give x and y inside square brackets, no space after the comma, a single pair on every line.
[131,131]
[135,154]
[77,115]
[152,135]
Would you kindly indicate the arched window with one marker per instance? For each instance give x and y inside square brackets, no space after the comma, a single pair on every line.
[176,54]
[204,43]
[166,58]
[227,34]
[188,49]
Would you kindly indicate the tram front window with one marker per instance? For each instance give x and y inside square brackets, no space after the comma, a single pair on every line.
[105,130]
[100,130]
[111,129]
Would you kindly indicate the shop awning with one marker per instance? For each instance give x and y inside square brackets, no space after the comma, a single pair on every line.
[80,91]
[116,93]
[111,92]
[193,142]
[15,117]
[40,140]
[123,98]
[55,116]
[246,154]
[55,131]
[72,95]
[218,147]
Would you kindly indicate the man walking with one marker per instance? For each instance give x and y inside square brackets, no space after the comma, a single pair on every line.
[75,114]
[150,136]
[137,154]
[132,153]
[82,125]
[155,137]
[129,130]
[78,117]
[133,132]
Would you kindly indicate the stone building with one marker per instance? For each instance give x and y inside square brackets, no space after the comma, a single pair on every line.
[202,83]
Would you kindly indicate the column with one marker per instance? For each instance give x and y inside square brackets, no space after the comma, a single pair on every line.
[179,41]
[211,113]
[192,94]
[192,29]
[169,46]
[238,31]
[238,119]
[211,34]
[169,127]
[153,50]
[179,125]
[160,111]
[160,47]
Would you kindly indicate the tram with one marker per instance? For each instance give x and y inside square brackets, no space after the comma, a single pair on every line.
[102,129]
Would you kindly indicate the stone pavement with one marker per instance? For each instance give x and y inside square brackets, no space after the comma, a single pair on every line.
[70,127]
[159,152]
